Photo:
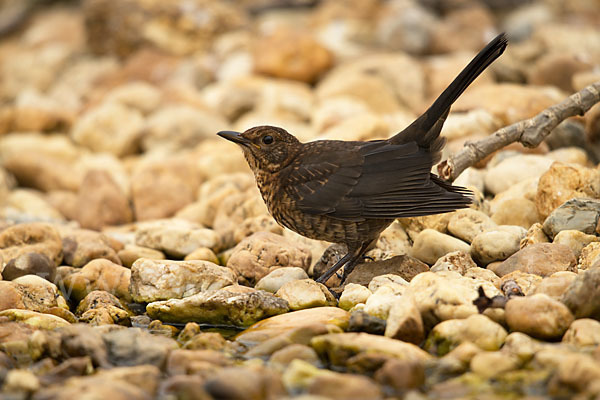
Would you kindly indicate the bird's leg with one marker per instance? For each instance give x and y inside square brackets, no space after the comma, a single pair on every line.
[350,255]
[349,267]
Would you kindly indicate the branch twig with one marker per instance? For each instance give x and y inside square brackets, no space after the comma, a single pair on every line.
[529,132]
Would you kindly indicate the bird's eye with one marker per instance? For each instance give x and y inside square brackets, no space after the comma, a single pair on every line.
[267,139]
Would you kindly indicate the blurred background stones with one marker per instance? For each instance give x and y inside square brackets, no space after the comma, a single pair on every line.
[138,260]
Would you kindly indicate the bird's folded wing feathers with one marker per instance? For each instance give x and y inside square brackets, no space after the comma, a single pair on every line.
[372,180]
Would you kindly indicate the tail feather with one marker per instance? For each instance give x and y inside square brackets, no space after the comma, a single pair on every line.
[426,129]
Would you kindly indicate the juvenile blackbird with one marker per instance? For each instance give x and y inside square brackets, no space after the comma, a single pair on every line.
[348,192]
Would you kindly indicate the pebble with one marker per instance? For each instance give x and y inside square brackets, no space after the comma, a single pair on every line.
[430,245]
[582,295]
[514,170]
[34,237]
[277,278]
[542,259]
[490,364]
[80,246]
[584,332]
[131,252]
[30,264]
[153,280]
[556,284]
[305,293]
[257,255]
[577,214]
[590,256]
[219,307]
[456,261]
[352,295]
[404,266]
[563,182]
[477,329]
[177,238]
[466,224]
[539,316]
[497,244]
[404,321]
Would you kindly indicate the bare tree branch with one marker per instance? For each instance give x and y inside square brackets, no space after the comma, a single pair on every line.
[529,132]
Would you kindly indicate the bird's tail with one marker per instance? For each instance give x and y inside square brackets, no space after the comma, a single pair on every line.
[425,129]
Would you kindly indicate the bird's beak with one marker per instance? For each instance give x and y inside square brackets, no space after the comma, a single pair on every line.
[234,137]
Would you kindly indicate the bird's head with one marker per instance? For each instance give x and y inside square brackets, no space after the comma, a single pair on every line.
[266,148]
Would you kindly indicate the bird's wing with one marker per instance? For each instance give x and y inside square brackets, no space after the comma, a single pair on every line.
[371,180]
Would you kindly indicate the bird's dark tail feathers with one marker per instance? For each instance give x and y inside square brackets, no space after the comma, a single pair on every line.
[425,129]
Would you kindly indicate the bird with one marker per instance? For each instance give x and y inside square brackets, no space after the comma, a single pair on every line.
[348,192]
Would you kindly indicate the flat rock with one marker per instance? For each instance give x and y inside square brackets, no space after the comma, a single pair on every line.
[35,319]
[405,266]
[583,295]
[576,214]
[538,315]
[477,329]
[175,237]
[279,324]
[257,255]
[153,280]
[306,293]
[219,307]
[31,238]
[542,259]
[430,245]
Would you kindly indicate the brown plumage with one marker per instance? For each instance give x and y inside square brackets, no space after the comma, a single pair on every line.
[348,192]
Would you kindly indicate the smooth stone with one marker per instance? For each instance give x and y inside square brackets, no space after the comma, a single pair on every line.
[259,223]
[306,293]
[219,307]
[477,329]
[538,315]
[277,325]
[297,335]
[340,386]
[526,282]
[430,245]
[30,292]
[521,346]
[98,274]
[514,170]
[583,295]
[195,362]
[338,348]
[360,321]
[556,284]
[575,240]
[404,321]
[251,382]
[490,364]
[404,266]
[497,244]
[277,278]
[393,241]
[395,282]
[518,211]
[352,295]
[542,259]
[202,253]
[285,356]
[30,264]
[584,332]
[153,280]
[401,375]
[467,223]
[177,238]
[575,214]
[257,255]
[130,253]
[379,303]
